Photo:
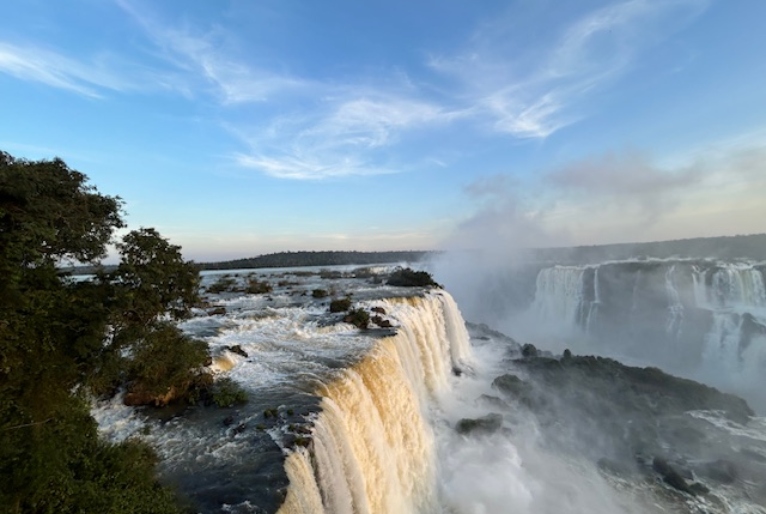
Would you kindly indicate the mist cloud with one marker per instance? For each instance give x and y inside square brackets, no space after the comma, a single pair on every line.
[628,181]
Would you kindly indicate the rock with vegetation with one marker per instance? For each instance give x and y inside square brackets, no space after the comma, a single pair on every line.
[255,286]
[224,284]
[225,392]
[340,304]
[62,340]
[358,317]
[407,277]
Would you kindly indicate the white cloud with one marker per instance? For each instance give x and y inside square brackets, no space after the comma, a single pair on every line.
[290,167]
[204,54]
[347,137]
[534,96]
[53,69]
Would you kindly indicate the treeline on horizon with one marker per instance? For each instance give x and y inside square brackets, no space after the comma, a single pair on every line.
[752,247]
[326,258]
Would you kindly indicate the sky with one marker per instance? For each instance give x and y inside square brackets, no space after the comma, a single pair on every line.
[238,128]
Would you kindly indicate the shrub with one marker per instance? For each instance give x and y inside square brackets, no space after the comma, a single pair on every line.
[254,286]
[407,277]
[319,293]
[225,392]
[164,366]
[340,305]
[225,283]
[359,318]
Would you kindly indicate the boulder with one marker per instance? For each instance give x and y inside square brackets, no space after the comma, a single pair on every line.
[529,350]
[238,350]
[488,424]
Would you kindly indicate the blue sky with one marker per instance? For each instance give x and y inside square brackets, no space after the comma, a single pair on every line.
[239,128]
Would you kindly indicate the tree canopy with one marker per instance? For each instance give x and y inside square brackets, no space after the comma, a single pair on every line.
[62,341]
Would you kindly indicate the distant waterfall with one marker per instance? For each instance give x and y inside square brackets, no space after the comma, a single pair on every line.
[373,450]
[704,318]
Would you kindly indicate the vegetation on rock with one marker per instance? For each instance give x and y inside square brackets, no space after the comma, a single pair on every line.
[407,277]
[340,304]
[358,317]
[226,393]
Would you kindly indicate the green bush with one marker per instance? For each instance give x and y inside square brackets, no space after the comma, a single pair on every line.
[359,318]
[223,284]
[225,392]
[255,286]
[164,366]
[319,293]
[407,277]
[340,304]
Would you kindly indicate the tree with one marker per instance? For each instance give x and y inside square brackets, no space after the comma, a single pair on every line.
[60,338]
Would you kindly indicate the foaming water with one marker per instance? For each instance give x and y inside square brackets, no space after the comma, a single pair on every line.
[511,470]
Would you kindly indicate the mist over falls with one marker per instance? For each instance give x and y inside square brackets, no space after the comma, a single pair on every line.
[703,319]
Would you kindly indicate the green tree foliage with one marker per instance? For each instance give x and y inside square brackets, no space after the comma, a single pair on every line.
[407,277]
[59,337]
[340,304]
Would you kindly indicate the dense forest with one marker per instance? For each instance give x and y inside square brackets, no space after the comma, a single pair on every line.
[64,343]
[294,259]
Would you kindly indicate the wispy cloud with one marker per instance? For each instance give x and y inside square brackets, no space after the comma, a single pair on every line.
[347,137]
[53,69]
[201,53]
[535,96]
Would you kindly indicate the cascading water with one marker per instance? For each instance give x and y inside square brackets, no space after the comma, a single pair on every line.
[373,448]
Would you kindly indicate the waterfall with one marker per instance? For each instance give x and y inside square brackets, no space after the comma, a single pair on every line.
[675,306]
[373,449]
[730,286]
[559,294]
[703,319]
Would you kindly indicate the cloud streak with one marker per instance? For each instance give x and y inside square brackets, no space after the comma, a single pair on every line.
[34,64]
[201,54]
[538,99]
[349,137]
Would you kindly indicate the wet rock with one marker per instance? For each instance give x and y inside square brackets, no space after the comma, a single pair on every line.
[228,421]
[379,310]
[238,350]
[382,323]
[488,424]
[218,311]
[510,384]
[670,475]
[516,389]
[493,401]
[529,350]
